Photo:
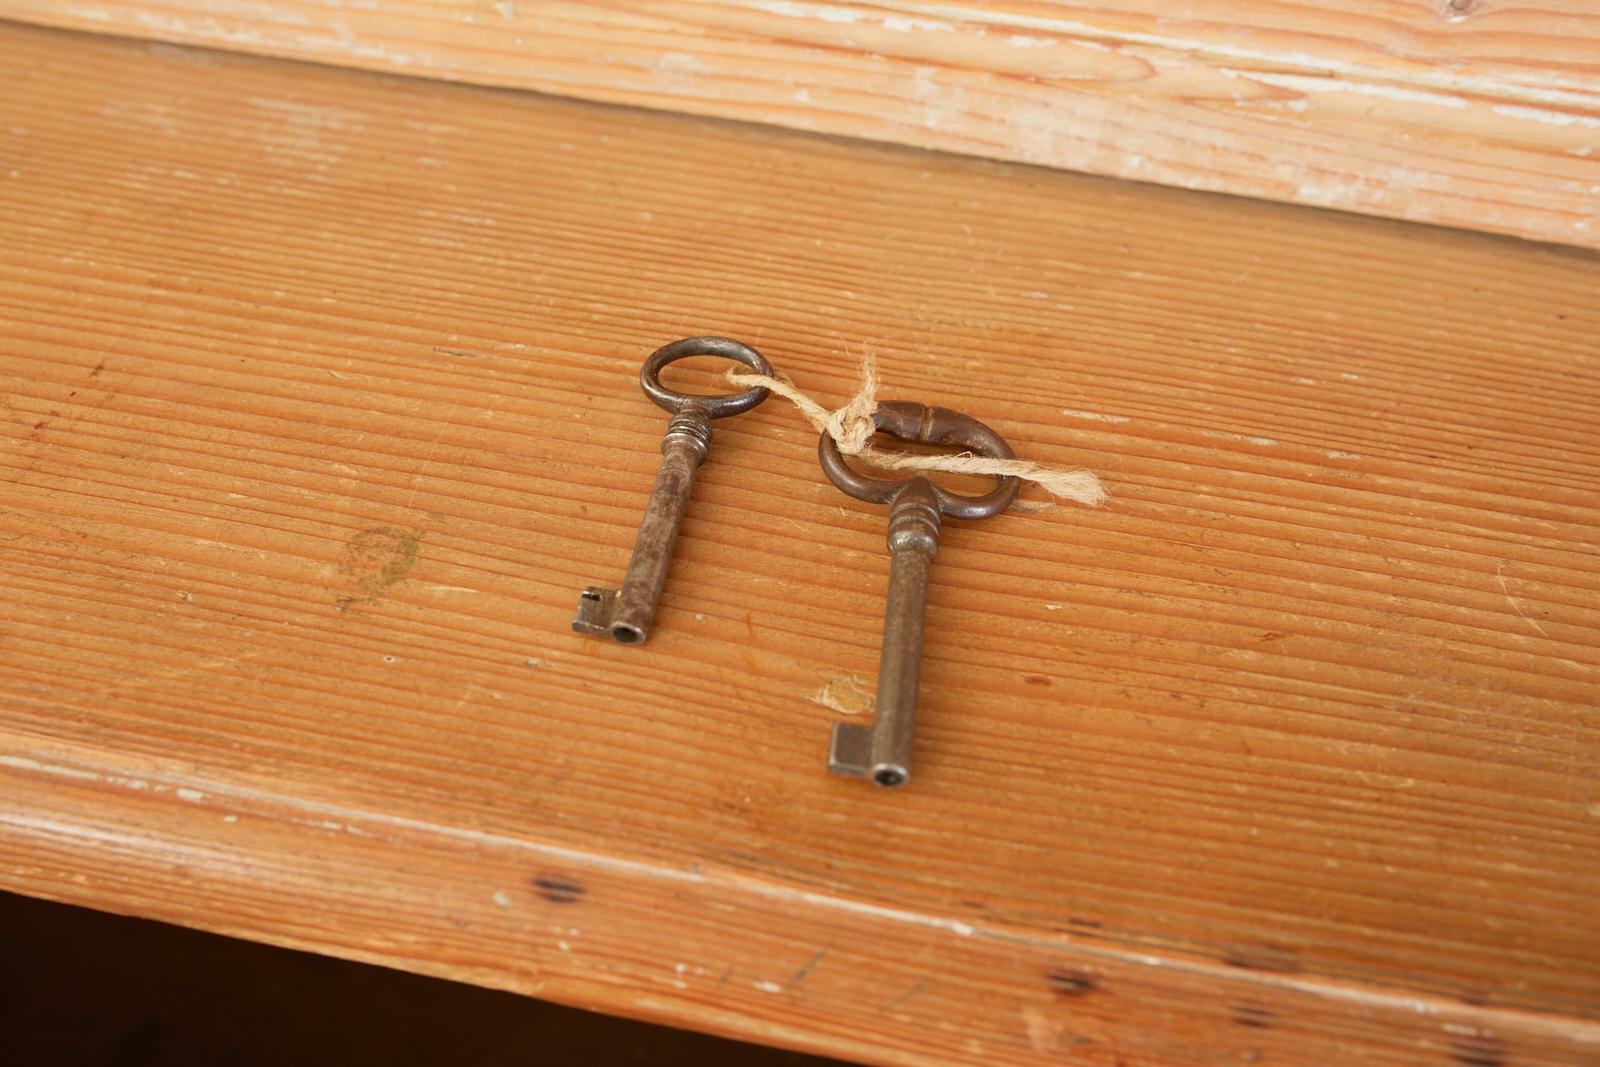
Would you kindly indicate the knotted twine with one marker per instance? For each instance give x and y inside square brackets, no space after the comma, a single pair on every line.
[851,428]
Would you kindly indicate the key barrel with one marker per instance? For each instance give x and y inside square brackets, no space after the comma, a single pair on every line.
[625,614]
[683,449]
[882,753]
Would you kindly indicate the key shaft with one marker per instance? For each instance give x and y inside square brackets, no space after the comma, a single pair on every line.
[883,752]
[626,613]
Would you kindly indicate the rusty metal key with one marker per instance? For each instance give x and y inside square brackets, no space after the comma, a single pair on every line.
[626,613]
[882,753]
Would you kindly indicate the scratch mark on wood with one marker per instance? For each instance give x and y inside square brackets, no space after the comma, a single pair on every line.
[916,987]
[799,976]
[1516,605]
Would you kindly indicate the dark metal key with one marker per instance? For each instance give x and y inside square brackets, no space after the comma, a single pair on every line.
[883,751]
[625,614]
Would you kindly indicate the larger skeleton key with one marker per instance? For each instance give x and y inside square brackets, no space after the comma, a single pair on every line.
[883,752]
[625,614]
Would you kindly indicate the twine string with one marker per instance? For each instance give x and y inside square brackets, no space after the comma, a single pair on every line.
[851,428]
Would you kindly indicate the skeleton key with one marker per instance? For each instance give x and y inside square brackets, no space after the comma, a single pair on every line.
[883,752]
[625,614]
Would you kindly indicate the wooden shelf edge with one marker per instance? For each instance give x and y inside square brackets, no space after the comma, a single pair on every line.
[461,903]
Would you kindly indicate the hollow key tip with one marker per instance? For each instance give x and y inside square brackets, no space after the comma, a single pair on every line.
[850,755]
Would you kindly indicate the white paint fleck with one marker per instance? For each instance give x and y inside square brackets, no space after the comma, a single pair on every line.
[769,987]
[320,116]
[1336,454]
[941,102]
[680,63]
[1093,415]
[1223,435]
[193,796]
[1549,118]
[563,946]
[154,115]
[1022,40]
[230,818]
[1305,381]
[1054,607]
[501,898]
[1302,83]
[824,12]
[905,24]
[1271,56]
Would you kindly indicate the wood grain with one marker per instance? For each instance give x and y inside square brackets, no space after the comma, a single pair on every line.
[318,409]
[1483,114]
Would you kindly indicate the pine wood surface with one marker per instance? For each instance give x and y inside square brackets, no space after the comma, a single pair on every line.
[318,409]
[1482,114]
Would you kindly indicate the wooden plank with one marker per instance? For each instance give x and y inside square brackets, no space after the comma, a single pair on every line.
[1470,113]
[318,409]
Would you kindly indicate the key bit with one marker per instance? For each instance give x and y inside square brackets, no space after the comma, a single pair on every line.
[626,613]
[882,752]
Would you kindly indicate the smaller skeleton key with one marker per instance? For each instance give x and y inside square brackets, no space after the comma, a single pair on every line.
[625,614]
[883,752]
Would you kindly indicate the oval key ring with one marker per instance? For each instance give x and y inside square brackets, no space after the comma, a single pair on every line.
[713,407]
[926,424]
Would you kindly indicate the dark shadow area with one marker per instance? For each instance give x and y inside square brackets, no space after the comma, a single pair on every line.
[80,987]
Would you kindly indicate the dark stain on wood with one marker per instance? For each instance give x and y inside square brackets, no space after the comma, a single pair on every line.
[1263,958]
[1484,1050]
[1255,1016]
[1037,679]
[558,889]
[1070,982]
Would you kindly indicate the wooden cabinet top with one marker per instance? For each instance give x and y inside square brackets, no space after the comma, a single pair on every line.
[318,407]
